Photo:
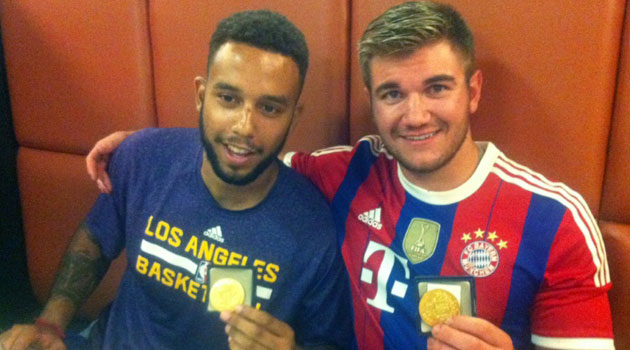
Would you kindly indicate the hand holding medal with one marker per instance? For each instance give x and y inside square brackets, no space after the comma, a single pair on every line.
[468,333]
[447,310]
[440,298]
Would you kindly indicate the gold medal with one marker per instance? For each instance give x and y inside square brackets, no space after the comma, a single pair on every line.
[437,306]
[226,293]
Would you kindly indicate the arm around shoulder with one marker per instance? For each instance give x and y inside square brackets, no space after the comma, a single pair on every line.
[96,161]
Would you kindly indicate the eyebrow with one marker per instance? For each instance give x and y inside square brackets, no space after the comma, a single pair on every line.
[283,100]
[439,78]
[225,86]
[277,99]
[386,86]
[432,80]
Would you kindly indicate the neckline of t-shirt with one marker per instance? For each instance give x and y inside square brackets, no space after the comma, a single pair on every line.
[461,192]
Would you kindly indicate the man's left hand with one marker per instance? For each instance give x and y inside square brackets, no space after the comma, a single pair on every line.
[464,333]
[249,328]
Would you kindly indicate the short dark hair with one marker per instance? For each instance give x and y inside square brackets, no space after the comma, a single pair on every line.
[265,30]
[407,27]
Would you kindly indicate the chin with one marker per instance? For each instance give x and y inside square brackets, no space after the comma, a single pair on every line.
[425,167]
[236,178]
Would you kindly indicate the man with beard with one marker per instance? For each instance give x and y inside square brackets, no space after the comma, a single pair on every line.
[424,199]
[189,201]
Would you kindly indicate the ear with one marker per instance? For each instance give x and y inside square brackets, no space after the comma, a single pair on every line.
[200,87]
[474,90]
[297,114]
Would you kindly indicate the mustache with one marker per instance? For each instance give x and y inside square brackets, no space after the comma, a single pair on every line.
[238,141]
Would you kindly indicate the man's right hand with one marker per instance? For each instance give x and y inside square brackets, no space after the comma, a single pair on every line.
[82,268]
[469,333]
[96,160]
[30,337]
[250,328]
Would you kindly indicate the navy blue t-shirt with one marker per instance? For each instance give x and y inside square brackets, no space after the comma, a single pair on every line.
[173,231]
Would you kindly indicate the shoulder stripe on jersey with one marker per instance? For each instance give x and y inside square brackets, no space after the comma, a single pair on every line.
[581,205]
[524,177]
[578,200]
[376,145]
[329,150]
[511,178]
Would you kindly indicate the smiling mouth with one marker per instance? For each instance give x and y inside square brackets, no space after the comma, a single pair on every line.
[420,137]
[238,150]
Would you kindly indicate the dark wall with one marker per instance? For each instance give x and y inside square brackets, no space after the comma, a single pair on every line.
[17,303]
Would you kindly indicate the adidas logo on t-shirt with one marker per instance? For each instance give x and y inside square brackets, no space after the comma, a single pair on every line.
[214,233]
[372,218]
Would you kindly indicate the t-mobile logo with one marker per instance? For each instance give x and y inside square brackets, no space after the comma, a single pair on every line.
[399,289]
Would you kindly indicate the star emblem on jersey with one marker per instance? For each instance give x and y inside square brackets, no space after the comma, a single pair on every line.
[421,239]
[480,258]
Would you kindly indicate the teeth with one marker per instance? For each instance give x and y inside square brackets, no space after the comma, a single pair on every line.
[238,150]
[421,137]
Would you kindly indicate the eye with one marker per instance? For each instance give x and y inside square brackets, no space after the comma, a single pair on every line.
[391,96]
[437,90]
[270,109]
[227,99]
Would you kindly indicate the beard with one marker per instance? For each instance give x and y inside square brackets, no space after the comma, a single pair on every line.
[234,179]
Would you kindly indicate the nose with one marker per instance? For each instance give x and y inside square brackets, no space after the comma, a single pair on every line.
[244,124]
[417,112]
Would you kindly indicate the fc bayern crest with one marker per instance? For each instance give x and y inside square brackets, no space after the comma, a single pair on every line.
[480,259]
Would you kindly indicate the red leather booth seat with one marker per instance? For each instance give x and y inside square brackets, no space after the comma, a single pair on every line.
[615,205]
[556,97]
[76,71]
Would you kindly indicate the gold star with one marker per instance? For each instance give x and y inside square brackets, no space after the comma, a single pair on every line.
[492,236]
[479,233]
[466,237]
[502,244]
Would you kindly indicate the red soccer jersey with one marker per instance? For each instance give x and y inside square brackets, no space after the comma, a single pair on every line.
[532,246]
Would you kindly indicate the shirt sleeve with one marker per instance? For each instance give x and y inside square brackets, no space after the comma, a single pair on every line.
[326,310]
[571,310]
[325,168]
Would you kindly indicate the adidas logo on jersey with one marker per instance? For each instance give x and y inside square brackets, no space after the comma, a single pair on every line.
[372,218]
[214,233]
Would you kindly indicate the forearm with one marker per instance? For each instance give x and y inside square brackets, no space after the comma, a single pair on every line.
[82,268]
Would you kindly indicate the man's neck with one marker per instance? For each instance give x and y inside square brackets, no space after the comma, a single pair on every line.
[233,197]
[453,174]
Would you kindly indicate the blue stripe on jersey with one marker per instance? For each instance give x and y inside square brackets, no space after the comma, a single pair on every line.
[543,219]
[358,171]
[400,326]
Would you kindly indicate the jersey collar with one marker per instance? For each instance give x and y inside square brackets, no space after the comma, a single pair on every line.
[461,192]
